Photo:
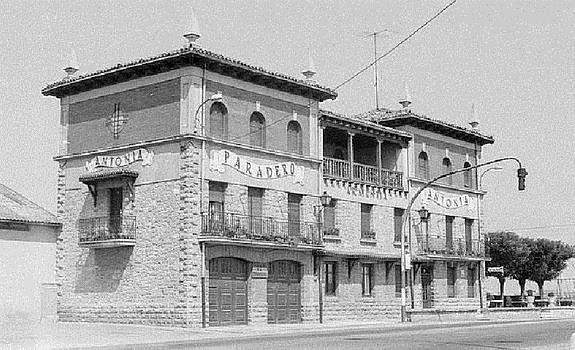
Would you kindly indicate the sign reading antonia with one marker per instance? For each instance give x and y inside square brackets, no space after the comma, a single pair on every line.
[446,202]
[137,155]
[219,159]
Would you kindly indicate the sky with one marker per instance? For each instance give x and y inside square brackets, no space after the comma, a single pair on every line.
[515,60]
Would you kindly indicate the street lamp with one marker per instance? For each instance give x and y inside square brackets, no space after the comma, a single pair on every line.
[423,214]
[325,200]
[521,174]
[214,98]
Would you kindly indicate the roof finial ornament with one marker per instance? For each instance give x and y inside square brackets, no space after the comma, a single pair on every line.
[474,118]
[194,33]
[406,100]
[310,71]
[72,67]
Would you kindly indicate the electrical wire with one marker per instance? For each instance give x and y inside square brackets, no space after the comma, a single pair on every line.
[396,46]
[539,227]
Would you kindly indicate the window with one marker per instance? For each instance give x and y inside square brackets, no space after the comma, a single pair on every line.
[451,278]
[447,169]
[330,277]
[397,223]
[218,120]
[467,175]
[468,235]
[366,232]
[367,279]
[116,206]
[255,205]
[423,166]
[329,220]
[257,130]
[294,139]
[397,280]
[471,277]
[216,205]
[449,233]
[294,203]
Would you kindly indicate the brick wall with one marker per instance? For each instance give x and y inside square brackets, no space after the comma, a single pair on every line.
[153,112]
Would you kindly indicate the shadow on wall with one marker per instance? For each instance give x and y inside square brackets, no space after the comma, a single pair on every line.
[101,270]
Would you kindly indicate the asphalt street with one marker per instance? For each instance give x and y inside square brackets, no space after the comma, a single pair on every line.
[552,334]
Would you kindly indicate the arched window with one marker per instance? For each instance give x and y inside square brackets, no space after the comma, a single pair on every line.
[294,139]
[467,175]
[447,169]
[423,166]
[257,130]
[218,121]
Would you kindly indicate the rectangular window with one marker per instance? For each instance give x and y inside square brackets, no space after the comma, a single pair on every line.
[449,233]
[294,203]
[329,220]
[468,235]
[367,279]
[397,223]
[471,278]
[451,278]
[397,280]
[366,221]
[216,206]
[255,209]
[116,206]
[330,277]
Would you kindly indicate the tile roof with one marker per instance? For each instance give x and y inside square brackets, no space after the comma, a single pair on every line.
[185,57]
[16,208]
[392,118]
[364,122]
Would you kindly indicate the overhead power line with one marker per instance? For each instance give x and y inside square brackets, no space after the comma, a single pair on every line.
[540,227]
[396,46]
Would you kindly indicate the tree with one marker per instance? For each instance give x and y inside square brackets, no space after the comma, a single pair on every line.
[509,250]
[522,271]
[548,259]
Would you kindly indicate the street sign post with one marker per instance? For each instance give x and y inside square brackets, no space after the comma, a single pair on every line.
[495,269]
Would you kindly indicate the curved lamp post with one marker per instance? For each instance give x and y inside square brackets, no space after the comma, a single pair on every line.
[325,200]
[521,174]
[214,98]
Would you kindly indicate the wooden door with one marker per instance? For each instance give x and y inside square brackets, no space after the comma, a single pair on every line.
[284,292]
[426,288]
[228,295]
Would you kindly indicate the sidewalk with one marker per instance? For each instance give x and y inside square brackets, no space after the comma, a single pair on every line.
[92,335]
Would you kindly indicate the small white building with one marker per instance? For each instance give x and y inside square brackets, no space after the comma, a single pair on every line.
[28,235]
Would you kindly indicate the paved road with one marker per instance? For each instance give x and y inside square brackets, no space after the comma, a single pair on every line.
[525,335]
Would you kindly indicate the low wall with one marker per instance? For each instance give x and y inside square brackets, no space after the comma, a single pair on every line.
[497,314]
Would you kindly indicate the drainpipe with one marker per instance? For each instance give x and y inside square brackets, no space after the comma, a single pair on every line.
[202,246]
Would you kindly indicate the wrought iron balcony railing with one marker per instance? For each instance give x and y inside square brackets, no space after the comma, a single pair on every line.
[340,169]
[244,227]
[457,246]
[107,228]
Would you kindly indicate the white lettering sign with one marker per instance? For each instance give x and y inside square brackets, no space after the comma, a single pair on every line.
[447,202]
[219,159]
[498,269]
[140,154]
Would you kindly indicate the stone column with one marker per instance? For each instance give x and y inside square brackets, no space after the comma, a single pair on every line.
[378,155]
[257,294]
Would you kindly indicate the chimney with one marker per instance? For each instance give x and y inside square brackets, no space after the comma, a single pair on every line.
[72,66]
[474,118]
[310,71]
[194,33]
[406,100]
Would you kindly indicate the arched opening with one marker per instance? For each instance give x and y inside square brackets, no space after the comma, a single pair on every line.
[218,121]
[447,168]
[467,175]
[294,138]
[423,166]
[257,130]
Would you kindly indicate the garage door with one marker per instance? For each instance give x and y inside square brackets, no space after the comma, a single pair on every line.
[284,292]
[228,296]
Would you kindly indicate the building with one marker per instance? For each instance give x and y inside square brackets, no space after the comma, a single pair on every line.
[28,242]
[198,190]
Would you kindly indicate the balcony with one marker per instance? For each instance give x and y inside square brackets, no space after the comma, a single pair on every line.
[238,227]
[340,169]
[107,231]
[457,247]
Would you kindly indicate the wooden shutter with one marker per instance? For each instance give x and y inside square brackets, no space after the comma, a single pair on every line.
[397,223]
[365,217]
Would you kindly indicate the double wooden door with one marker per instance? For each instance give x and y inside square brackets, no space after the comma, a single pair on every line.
[284,292]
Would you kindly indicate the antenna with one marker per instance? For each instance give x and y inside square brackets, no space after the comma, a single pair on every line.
[374,34]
